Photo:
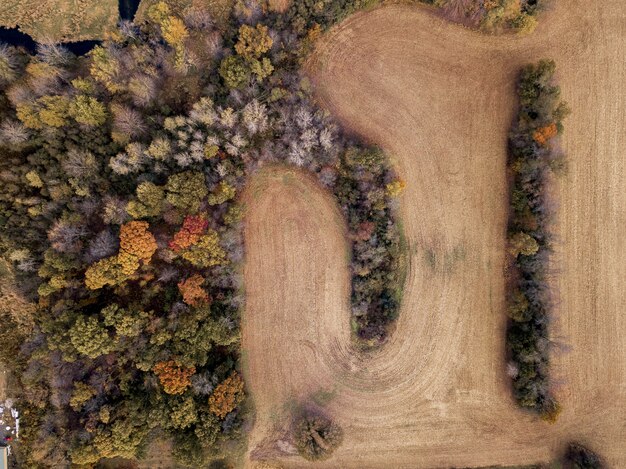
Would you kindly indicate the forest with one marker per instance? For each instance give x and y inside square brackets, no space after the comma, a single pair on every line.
[121,217]
[534,157]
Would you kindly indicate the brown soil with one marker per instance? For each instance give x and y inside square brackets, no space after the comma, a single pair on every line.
[440,99]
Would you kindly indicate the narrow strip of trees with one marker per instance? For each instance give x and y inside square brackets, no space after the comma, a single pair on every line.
[533,157]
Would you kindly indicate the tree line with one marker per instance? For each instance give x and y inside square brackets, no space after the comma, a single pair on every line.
[533,156]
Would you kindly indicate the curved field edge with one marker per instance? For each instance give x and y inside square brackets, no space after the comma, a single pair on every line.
[388,50]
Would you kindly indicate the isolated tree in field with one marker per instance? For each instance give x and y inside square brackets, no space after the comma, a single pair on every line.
[316,437]
[227,395]
[174,378]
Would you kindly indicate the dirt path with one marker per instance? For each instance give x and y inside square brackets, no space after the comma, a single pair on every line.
[440,99]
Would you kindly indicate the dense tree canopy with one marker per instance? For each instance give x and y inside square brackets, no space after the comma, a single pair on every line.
[119,211]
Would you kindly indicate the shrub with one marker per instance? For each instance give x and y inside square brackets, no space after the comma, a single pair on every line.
[580,457]
[316,437]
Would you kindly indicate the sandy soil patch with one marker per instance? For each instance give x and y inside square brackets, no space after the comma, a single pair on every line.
[440,99]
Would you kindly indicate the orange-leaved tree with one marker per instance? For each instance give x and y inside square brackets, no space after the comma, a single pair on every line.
[136,244]
[543,134]
[173,377]
[135,239]
[227,395]
[192,291]
[193,227]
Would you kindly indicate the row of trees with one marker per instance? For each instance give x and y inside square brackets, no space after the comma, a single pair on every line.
[493,15]
[534,156]
[119,212]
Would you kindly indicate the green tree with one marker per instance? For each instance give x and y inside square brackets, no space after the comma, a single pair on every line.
[186,191]
[207,252]
[88,110]
[235,71]
[253,41]
[8,64]
[80,395]
[223,193]
[54,110]
[149,203]
[183,413]
[126,322]
[90,337]
[105,68]
[262,68]
[187,450]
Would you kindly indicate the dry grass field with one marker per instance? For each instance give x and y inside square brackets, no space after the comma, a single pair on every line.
[60,20]
[440,99]
[219,9]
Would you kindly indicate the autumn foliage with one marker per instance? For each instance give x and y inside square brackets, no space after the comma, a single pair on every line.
[135,239]
[192,291]
[532,162]
[136,244]
[226,395]
[173,377]
[543,134]
[193,227]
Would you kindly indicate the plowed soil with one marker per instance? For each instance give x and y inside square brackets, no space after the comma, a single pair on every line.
[440,99]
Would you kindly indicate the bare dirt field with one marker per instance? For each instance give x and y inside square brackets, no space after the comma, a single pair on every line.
[440,98]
